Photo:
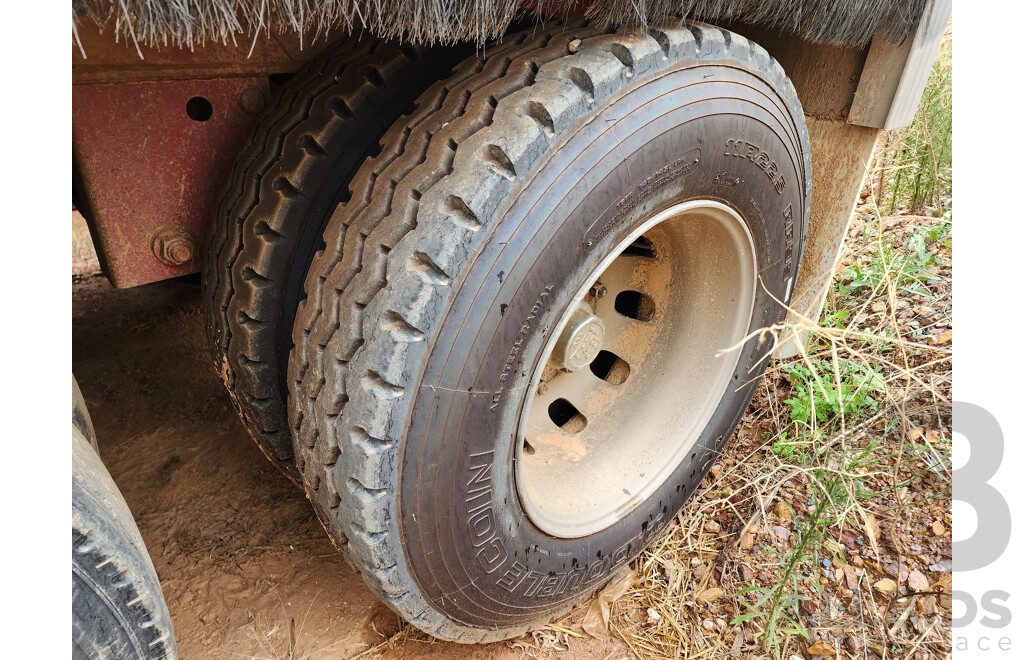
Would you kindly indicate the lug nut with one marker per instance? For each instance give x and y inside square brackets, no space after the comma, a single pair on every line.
[173,246]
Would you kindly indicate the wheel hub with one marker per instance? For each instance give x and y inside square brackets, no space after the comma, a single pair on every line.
[580,341]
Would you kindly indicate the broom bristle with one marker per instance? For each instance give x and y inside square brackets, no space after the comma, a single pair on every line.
[190,23]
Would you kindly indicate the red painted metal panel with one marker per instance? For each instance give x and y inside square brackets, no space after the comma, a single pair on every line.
[151,174]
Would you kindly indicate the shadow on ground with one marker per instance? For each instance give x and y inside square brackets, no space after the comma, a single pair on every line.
[242,558]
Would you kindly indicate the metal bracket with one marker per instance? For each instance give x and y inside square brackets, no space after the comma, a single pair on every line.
[894,76]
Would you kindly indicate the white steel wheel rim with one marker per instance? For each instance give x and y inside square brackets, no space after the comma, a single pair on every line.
[685,282]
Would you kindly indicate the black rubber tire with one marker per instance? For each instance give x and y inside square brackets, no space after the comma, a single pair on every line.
[117,607]
[320,127]
[80,418]
[421,328]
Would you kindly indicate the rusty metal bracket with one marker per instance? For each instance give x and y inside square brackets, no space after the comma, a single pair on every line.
[152,159]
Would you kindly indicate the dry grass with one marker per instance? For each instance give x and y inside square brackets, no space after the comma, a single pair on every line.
[914,166]
[801,517]
[191,23]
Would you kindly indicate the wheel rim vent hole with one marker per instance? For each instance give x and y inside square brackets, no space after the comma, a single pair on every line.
[635,305]
[610,368]
[641,247]
[566,416]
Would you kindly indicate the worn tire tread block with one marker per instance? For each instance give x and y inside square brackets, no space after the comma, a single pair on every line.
[263,222]
[118,609]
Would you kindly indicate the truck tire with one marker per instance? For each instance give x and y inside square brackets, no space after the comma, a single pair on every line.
[323,123]
[117,607]
[531,335]
[80,418]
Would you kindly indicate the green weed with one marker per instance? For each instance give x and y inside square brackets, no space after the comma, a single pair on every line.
[835,493]
[917,161]
[822,395]
[909,262]
[792,450]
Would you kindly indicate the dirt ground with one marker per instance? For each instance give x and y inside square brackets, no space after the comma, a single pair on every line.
[240,554]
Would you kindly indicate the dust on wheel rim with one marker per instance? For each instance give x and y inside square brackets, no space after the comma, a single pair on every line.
[635,368]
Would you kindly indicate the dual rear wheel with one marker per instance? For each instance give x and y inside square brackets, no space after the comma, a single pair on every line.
[530,327]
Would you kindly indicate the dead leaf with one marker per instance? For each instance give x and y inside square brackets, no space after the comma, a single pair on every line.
[595,623]
[737,642]
[878,306]
[821,648]
[671,573]
[747,541]
[944,583]
[848,540]
[943,337]
[710,595]
[871,529]
[898,571]
[852,575]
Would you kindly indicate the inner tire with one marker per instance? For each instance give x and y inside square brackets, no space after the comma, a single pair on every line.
[412,374]
[323,123]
